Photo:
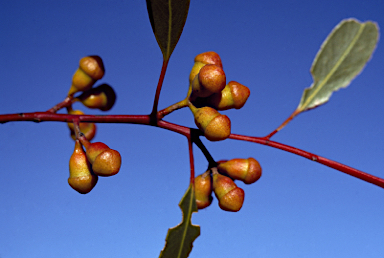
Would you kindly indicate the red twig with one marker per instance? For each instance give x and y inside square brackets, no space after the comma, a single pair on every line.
[330,163]
[191,160]
[46,116]
[153,114]
[145,120]
[289,119]
[65,103]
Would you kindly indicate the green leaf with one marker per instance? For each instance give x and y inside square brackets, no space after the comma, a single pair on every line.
[167,19]
[340,59]
[179,239]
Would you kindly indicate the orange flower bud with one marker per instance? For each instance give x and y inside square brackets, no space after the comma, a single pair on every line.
[234,95]
[102,97]
[104,160]
[230,196]
[81,177]
[246,170]
[216,127]
[211,79]
[203,190]
[91,69]
[203,59]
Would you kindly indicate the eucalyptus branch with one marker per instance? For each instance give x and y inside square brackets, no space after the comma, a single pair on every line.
[145,120]
[330,163]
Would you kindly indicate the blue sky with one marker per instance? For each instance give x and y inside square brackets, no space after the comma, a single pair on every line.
[297,209]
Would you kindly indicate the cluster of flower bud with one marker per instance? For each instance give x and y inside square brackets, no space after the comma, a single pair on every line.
[102,97]
[86,166]
[220,180]
[209,93]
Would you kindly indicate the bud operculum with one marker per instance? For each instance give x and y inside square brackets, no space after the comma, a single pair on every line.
[203,59]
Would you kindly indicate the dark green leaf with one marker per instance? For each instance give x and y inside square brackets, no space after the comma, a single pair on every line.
[167,19]
[180,239]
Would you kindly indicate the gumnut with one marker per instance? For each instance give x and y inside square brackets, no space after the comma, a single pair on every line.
[102,97]
[203,59]
[203,190]
[246,170]
[104,160]
[91,69]
[234,95]
[230,196]
[211,79]
[81,177]
[215,126]
[88,129]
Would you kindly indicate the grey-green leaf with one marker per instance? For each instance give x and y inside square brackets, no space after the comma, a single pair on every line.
[180,239]
[167,19]
[340,59]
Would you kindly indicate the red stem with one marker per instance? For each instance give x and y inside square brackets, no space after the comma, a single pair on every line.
[145,120]
[46,116]
[65,103]
[153,114]
[330,163]
[191,161]
[289,119]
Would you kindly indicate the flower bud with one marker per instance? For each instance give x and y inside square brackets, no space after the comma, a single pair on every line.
[246,170]
[230,196]
[107,163]
[215,126]
[211,79]
[104,160]
[203,190]
[203,59]
[102,97]
[81,177]
[234,95]
[91,69]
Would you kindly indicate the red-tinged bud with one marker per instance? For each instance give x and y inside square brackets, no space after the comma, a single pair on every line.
[81,177]
[246,170]
[211,79]
[234,95]
[102,97]
[203,190]
[91,69]
[104,160]
[230,196]
[215,126]
[203,59]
